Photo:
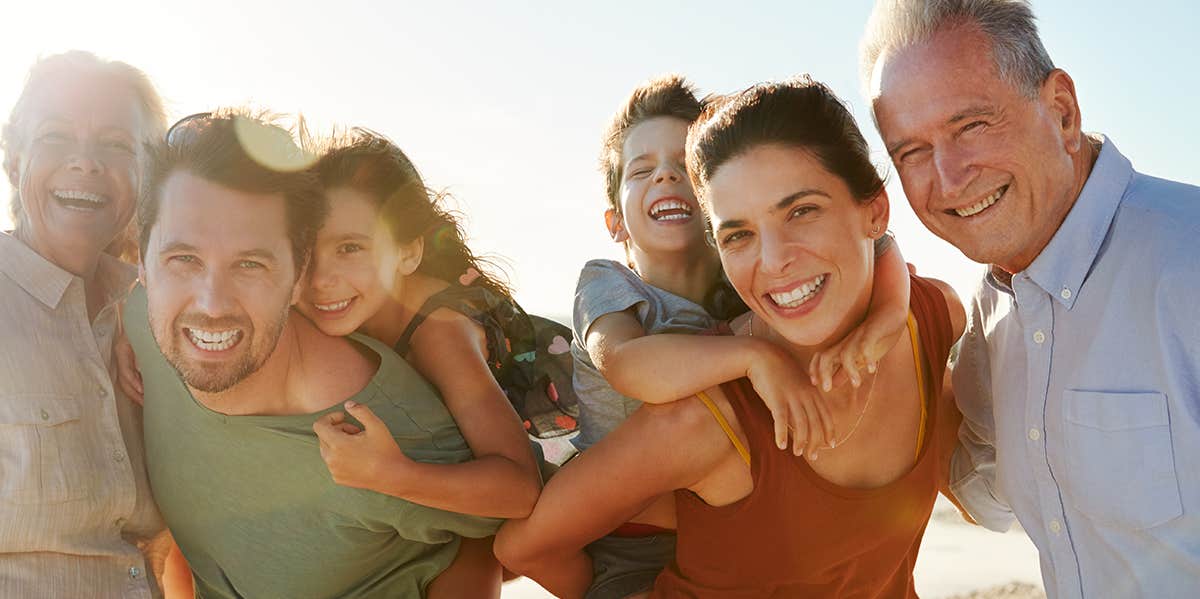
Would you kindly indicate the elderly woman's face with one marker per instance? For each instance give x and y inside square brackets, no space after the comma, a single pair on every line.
[77,168]
[794,243]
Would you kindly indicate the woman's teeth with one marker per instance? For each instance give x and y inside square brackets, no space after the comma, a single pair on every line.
[214,340]
[334,307]
[670,210]
[74,198]
[799,295]
[982,205]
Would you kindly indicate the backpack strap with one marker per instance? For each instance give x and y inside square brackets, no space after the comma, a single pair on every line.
[449,296]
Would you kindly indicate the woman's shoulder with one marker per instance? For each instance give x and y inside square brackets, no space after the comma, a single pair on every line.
[936,299]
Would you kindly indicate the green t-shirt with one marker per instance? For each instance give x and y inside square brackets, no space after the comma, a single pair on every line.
[257,514]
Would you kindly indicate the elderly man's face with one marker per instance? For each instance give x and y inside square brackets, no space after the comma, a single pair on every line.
[219,278]
[983,166]
[76,171]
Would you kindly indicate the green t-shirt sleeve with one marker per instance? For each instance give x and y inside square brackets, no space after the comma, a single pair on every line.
[430,525]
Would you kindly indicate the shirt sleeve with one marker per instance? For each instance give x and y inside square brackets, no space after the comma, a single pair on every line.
[424,524]
[604,287]
[973,463]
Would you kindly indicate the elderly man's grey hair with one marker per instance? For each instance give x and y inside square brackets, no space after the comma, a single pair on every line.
[1021,59]
[77,63]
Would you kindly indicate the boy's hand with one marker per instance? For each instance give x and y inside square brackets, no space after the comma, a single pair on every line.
[129,379]
[357,457]
[793,402]
[855,356]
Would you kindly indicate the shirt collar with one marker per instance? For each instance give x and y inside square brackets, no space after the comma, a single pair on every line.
[47,282]
[1066,261]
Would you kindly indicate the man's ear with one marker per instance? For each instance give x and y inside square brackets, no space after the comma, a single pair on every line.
[409,255]
[881,211]
[616,226]
[1057,94]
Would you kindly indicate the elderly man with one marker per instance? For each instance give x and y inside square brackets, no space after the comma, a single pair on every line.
[234,381]
[74,500]
[1079,377]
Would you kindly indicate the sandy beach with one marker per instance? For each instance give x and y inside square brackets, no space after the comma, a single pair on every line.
[958,561]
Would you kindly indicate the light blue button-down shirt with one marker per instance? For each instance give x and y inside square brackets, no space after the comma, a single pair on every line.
[1080,391]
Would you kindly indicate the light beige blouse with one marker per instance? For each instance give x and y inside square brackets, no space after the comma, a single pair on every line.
[74,497]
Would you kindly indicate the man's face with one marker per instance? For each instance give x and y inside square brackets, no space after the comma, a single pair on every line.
[220,280]
[983,166]
[76,170]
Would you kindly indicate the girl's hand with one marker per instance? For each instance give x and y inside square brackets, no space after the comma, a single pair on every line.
[361,458]
[129,379]
[857,352]
[794,403]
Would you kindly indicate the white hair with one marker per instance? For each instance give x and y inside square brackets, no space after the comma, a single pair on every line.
[76,63]
[1020,58]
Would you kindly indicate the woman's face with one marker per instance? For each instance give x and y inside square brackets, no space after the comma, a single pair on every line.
[795,244]
[353,268]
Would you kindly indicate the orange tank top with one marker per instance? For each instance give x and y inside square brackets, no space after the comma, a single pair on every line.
[798,535]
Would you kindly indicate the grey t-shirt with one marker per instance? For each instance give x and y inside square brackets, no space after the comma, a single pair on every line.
[605,287]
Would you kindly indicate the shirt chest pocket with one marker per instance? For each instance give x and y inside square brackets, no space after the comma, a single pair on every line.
[43,455]
[1120,466]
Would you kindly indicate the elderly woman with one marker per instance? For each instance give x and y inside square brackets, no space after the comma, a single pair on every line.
[74,498]
[795,205]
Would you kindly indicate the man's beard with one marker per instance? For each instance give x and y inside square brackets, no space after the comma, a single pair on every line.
[217,378]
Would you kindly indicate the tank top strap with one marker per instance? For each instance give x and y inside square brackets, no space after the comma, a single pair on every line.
[725,426]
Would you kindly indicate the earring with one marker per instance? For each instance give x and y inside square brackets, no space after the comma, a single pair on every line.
[875,231]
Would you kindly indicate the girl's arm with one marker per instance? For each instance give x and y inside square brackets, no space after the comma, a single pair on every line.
[655,451]
[662,368]
[502,481]
[874,337]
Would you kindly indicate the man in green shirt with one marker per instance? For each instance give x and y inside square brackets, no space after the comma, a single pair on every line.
[234,380]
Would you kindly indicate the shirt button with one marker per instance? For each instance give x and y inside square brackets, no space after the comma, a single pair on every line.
[1039,337]
[1055,526]
[103,392]
[119,523]
[134,572]
[1065,293]
[1034,434]
[118,455]
[45,415]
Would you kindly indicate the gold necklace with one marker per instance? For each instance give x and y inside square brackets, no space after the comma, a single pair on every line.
[866,406]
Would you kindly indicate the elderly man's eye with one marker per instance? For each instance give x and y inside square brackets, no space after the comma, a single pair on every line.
[251,264]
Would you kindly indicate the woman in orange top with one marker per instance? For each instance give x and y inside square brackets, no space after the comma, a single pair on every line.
[794,204]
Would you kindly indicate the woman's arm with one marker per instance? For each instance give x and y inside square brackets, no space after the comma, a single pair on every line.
[502,481]
[874,337]
[662,368]
[655,451]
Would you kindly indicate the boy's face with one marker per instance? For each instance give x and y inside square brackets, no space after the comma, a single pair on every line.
[659,212]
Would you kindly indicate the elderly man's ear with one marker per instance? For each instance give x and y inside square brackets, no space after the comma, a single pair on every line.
[10,168]
[1058,96]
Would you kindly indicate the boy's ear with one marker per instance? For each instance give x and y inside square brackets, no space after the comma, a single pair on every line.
[880,213]
[408,256]
[616,226]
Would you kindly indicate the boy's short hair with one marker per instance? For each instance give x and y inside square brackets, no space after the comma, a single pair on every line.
[244,150]
[668,95]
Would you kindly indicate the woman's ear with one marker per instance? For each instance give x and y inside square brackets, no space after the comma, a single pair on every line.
[616,226]
[879,209]
[409,255]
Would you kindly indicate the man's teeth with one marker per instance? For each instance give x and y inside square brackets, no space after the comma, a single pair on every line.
[334,307]
[82,196]
[799,295]
[982,205]
[214,340]
[684,211]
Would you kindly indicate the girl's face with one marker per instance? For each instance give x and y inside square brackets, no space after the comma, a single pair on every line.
[658,206]
[354,265]
[795,244]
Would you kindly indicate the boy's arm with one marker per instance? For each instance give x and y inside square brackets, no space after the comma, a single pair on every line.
[875,336]
[663,368]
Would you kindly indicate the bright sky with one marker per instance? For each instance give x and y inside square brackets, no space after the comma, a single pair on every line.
[504,103]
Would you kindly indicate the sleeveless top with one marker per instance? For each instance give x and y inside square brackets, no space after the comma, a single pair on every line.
[799,535]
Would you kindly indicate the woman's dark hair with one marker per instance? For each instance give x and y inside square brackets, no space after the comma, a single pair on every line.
[370,163]
[799,113]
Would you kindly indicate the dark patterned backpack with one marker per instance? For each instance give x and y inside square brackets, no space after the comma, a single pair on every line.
[530,356]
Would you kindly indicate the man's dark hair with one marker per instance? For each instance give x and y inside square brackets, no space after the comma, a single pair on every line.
[243,151]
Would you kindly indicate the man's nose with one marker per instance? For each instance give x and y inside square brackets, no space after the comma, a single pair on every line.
[955,171]
[214,295]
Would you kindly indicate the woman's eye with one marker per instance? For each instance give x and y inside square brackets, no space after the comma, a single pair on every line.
[54,137]
[117,144]
[250,264]
[349,248]
[801,211]
[183,259]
